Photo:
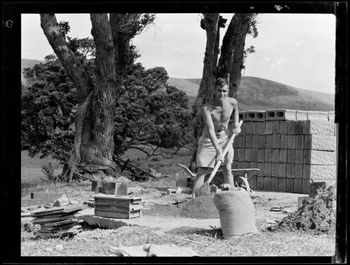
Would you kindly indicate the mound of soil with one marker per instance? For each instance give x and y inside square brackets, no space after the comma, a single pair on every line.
[316,215]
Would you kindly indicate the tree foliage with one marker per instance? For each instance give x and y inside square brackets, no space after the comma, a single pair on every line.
[148,113]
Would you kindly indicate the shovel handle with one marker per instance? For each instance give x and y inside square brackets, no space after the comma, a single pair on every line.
[218,164]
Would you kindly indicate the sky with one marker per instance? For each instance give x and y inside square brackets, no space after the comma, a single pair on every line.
[294,49]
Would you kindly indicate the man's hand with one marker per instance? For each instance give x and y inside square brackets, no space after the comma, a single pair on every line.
[236,129]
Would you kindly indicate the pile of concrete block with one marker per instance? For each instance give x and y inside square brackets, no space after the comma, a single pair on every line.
[291,148]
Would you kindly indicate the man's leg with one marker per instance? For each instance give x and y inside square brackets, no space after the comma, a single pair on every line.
[199,180]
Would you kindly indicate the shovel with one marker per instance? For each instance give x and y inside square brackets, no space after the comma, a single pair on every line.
[204,190]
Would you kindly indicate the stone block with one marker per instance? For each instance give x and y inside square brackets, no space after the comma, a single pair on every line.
[275,170]
[298,127]
[319,172]
[276,127]
[268,141]
[282,170]
[262,141]
[257,128]
[291,155]
[255,141]
[240,154]
[298,171]
[316,157]
[247,154]
[284,141]
[254,155]
[248,141]
[317,115]
[276,140]
[297,185]
[255,115]
[283,114]
[318,127]
[320,142]
[291,141]
[283,127]
[267,169]
[290,170]
[299,156]
[290,127]
[275,156]
[301,115]
[282,156]
[241,141]
[299,141]
[268,127]
[268,154]
[305,186]
[261,155]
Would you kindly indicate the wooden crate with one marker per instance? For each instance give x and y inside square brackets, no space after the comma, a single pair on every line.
[119,207]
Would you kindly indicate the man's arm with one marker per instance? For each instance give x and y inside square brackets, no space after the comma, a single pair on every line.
[235,120]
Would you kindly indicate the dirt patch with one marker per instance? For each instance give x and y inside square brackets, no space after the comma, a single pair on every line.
[316,215]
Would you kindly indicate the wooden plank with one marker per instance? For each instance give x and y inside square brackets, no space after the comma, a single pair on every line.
[59,223]
[50,211]
[51,219]
[117,215]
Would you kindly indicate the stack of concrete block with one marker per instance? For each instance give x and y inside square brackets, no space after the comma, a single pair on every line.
[292,149]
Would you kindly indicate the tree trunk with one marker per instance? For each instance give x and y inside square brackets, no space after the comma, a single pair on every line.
[93,142]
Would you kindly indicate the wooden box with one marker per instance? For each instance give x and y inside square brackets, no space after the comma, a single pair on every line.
[119,207]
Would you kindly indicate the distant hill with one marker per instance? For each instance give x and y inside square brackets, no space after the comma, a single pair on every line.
[254,93]
[261,94]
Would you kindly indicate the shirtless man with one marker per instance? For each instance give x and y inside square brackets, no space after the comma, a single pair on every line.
[217,130]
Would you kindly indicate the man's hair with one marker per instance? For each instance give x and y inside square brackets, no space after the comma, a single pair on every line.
[220,82]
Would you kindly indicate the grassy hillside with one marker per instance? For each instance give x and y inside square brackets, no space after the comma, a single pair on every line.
[260,94]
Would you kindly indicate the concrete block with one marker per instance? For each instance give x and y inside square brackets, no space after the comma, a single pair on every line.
[267,183]
[298,127]
[246,164]
[274,184]
[283,127]
[275,155]
[290,170]
[291,155]
[284,141]
[276,127]
[320,142]
[319,172]
[282,170]
[317,115]
[241,141]
[268,127]
[255,115]
[248,141]
[283,114]
[289,185]
[234,162]
[301,115]
[298,171]
[291,141]
[299,141]
[262,141]
[275,170]
[261,166]
[248,127]
[255,141]
[261,155]
[283,155]
[316,157]
[305,186]
[297,185]
[299,156]
[282,183]
[254,155]
[247,154]
[257,127]
[290,127]
[260,183]
[268,141]
[240,154]
[267,169]
[243,132]
[331,115]
[242,115]
[268,154]
[276,140]
[318,127]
